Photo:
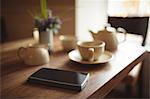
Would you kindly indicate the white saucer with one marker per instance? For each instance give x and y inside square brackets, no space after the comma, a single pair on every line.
[104,58]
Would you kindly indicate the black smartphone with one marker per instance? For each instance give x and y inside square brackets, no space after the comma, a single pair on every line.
[60,78]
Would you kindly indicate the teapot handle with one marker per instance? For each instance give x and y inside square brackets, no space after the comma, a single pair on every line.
[107,25]
[20,52]
[122,30]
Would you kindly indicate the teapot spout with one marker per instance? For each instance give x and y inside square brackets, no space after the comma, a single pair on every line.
[92,33]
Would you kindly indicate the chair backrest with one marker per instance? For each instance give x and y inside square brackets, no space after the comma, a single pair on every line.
[135,25]
[3,34]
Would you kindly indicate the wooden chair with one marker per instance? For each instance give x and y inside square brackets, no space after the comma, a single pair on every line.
[134,25]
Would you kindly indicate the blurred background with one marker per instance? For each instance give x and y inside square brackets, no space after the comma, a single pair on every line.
[78,17]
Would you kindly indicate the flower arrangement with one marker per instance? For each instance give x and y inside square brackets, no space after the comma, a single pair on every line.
[46,21]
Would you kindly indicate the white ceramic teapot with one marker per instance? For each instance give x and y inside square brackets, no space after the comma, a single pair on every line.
[34,55]
[108,35]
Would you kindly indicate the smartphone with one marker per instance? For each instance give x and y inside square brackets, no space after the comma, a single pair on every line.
[60,78]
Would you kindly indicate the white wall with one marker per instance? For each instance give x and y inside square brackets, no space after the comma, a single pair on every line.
[90,15]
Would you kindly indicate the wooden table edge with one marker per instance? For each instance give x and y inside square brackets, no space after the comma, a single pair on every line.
[106,88]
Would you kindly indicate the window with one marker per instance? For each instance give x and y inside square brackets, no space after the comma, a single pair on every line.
[129,8]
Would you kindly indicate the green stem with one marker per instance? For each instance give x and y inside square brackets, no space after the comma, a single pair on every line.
[43,9]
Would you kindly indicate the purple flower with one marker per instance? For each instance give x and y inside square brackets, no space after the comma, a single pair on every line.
[52,23]
[49,20]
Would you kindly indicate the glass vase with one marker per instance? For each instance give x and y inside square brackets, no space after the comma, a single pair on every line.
[46,38]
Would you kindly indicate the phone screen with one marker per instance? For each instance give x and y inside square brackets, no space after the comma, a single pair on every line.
[70,77]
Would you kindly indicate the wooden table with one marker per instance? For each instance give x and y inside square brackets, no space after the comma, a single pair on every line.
[103,77]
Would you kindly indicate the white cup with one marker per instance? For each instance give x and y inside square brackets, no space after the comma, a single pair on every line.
[68,42]
[91,50]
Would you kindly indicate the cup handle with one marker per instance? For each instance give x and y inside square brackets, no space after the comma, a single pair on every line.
[20,52]
[91,51]
[122,30]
